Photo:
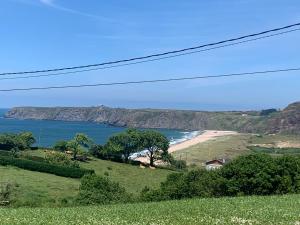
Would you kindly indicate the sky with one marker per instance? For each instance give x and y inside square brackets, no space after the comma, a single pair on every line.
[45,34]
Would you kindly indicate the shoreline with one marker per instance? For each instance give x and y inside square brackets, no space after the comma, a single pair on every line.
[204,136]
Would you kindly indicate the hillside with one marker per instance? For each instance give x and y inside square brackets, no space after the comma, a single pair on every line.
[239,210]
[285,121]
[43,189]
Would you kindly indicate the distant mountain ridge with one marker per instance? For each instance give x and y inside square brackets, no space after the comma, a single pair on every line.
[287,120]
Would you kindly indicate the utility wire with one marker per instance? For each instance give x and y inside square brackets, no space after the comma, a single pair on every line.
[153,55]
[152,81]
[149,60]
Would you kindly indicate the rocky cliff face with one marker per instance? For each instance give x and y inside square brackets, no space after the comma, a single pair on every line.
[287,120]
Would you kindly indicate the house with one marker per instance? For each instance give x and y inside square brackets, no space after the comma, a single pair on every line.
[214,164]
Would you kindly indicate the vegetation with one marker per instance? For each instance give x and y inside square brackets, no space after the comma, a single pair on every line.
[255,174]
[268,210]
[79,144]
[156,144]
[273,150]
[100,190]
[267,112]
[31,188]
[44,167]
[15,142]
[124,144]
[61,159]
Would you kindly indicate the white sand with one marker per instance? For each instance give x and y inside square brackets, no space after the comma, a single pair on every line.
[207,135]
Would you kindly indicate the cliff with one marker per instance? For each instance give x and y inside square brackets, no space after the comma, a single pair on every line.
[287,120]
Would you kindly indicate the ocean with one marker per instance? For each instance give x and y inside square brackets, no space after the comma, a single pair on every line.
[48,132]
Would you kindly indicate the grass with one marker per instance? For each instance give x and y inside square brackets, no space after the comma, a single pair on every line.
[232,146]
[42,189]
[38,189]
[269,210]
[227,146]
[133,178]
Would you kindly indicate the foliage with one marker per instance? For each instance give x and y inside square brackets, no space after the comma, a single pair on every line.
[59,158]
[267,112]
[44,167]
[79,144]
[61,146]
[255,174]
[125,143]
[27,138]
[273,150]
[156,144]
[96,151]
[100,190]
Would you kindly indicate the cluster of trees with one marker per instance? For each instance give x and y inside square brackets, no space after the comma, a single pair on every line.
[255,174]
[80,144]
[120,146]
[16,142]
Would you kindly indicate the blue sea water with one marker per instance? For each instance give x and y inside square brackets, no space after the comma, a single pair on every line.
[48,132]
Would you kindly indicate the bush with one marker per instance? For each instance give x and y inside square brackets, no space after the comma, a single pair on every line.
[21,141]
[59,158]
[44,167]
[255,174]
[100,190]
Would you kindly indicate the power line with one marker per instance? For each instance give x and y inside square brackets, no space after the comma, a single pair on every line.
[149,60]
[152,81]
[154,55]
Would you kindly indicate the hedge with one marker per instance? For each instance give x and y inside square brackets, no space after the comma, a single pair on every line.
[45,167]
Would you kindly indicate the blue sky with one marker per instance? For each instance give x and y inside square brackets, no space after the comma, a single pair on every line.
[38,34]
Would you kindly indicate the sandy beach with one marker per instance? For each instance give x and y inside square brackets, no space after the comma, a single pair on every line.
[207,135]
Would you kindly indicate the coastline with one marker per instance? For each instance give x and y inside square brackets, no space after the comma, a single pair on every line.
[207,135]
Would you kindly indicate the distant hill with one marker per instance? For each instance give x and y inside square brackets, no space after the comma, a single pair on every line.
[287,120]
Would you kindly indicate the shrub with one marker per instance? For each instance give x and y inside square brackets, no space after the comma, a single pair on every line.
[44,167]
[100,190]
[59,158]
[250,175]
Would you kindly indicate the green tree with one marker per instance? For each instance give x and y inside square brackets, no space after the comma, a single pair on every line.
[156,145]
[27,138]
[61,146]
[79,144]
[125,143]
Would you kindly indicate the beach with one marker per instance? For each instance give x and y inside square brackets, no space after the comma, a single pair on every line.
[207,135]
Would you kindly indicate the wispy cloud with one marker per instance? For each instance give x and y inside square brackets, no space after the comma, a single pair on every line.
[54,5]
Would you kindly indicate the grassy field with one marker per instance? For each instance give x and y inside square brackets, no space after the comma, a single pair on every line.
[228,146]
[232,146]
[42,189]
[133,178]
[38,189]
[277,210]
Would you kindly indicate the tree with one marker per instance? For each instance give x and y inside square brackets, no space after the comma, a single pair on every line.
[27,138]
[156,144]
[61,146]
[96,151]
[78,144]
[125,143]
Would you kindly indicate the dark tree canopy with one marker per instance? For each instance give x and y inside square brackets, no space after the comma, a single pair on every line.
[156,144]
[125,143]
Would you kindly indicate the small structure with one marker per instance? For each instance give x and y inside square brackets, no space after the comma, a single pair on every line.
[214,164]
